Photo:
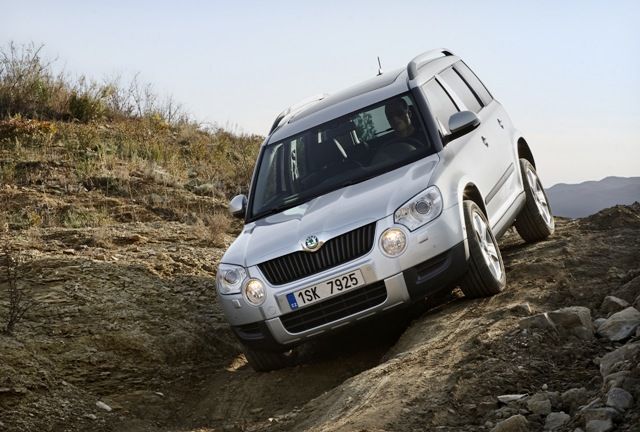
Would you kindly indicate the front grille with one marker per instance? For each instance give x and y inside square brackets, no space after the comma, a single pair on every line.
[338,250]
[335,308]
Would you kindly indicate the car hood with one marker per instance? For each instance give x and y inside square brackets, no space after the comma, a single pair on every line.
[329,215]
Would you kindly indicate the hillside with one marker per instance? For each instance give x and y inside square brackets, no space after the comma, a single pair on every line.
[587,198]
[111,228]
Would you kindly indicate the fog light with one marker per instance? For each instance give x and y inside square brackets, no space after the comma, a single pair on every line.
[254,292]
[393,242]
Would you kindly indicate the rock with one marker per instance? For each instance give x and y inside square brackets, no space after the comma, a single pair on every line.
[597,323]
[612,304]
[629,291]
[539,403]
[624,353]
[599,426]
[90,416]
[574,320]
[607,413]
[556,420]
[103,406]
[619,399]
[620,325]
[574,398]
[544,387]
[554,397]
[540,321]
[516,423]
[505,399]
[506,412]
[69,251]
[616,379]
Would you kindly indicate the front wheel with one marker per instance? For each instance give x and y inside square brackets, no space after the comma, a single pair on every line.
[485,276]
[265,361]
[535,220]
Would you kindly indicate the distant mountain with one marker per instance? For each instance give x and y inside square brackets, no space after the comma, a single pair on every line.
[584,199]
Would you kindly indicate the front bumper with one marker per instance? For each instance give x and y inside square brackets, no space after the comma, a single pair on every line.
[415,283]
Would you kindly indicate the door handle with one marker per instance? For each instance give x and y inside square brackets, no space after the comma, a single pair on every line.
[500,123]
[485,142]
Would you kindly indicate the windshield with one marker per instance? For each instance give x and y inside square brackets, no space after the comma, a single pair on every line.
[339,153]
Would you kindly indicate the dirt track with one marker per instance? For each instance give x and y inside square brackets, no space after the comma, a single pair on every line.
[134,324]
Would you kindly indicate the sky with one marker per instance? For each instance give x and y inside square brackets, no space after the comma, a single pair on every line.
[567,72]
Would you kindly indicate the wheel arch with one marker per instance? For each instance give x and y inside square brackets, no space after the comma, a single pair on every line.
[471,192]
[524,152]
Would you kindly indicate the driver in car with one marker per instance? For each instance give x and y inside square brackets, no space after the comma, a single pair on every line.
[405,139]
[399,117]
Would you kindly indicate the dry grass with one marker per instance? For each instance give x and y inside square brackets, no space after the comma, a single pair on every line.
[19,298]
[81,142]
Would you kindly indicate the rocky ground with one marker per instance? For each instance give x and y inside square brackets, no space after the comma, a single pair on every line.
[125,335]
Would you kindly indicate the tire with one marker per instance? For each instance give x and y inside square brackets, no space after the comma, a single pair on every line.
[535,220]
[485,275]
[265,361]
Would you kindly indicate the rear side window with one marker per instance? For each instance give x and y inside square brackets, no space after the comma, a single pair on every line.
[476,85]
[442,107]
[461,88]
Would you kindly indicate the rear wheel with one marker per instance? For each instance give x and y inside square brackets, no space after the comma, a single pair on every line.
[535,220]
[265,361]
[486,275]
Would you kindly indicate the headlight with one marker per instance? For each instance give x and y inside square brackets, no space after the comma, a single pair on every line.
[422,208]
[254,292]
[230,278]
[393,242]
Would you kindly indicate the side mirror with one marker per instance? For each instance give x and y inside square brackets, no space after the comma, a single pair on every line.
[461,123]
[238,206]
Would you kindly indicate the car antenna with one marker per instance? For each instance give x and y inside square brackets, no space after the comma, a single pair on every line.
[379,67]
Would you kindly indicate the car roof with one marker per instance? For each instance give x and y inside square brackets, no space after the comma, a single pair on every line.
[369,92]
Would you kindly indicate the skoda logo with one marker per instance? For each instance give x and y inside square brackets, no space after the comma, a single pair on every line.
[311,242]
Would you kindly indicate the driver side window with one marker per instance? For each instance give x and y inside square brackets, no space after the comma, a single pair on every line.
[441,105]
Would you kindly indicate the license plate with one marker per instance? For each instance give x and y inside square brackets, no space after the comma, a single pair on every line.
[323,290]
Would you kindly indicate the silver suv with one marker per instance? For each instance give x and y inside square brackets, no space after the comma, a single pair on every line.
[373,198]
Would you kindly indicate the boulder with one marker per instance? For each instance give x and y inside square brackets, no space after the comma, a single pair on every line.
[505,399]
[556,420]
[516,423]
[573,398]
[607,413]
[616,379]
[599,426]
[619,399]
[597,323]
[574,320]
[539,403]
[620,325]
[612,304]
[629,291]
[625,353]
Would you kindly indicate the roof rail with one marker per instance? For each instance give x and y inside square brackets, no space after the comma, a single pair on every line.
[295,108]
[425,57]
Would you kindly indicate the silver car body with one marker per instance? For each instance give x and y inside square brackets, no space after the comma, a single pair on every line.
[486,158]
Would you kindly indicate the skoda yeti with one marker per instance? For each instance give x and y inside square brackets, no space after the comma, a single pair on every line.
[373,198]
